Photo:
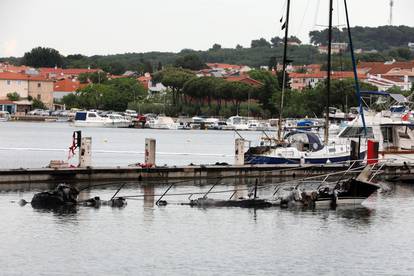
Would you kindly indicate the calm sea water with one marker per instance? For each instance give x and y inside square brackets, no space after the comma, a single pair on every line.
[142,239]
[35,144]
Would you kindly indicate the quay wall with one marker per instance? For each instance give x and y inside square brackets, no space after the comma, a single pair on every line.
[13,177]
[96,174]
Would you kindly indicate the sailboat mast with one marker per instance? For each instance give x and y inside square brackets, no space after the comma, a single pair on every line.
[354,67]
[286,25]
[328,80]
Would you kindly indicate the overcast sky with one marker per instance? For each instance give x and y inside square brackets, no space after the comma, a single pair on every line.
[108,27]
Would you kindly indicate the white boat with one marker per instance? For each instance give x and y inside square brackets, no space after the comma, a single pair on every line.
[236,123]
[300,147]
[394,132]
[116,120]
[162,122]
[92,119]
[4,116]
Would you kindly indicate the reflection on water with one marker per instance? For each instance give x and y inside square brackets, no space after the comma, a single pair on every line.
[60,211]
[179,240]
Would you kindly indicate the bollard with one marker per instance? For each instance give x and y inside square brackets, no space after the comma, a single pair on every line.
[239,152]
[85,152]
[150,151]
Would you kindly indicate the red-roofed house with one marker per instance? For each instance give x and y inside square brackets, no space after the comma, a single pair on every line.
[65,87]
[145,80]
[385,75]
[26,85]
[300,81]
[42,89]
[59,73]
[13,82]
[5,67]
[228,67]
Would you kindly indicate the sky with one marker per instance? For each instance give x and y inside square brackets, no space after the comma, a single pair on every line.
[104,27]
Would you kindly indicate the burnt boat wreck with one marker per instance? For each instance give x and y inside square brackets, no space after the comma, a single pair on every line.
[64,195]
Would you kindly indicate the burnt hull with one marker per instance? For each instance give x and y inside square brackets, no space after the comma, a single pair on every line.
[241,203]
[352,192]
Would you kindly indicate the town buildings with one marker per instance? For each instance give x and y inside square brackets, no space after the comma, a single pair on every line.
[386,75]
[300,81]
[65,87]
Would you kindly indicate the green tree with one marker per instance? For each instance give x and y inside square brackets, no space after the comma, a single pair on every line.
[112,95]
[174,78]
[42,57]
[38,104]
[216,47]
[191,62]
[13,96]
[276,41]
[268,90]
[259,43]
[70,101]
[95,77]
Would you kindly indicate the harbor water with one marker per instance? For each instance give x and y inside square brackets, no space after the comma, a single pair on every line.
[143,239]
[29,145]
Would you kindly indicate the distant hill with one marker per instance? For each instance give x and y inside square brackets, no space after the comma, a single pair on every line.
[390,41]
[369,38]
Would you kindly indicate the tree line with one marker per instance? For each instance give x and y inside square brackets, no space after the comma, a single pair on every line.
[390,41]
[190,95]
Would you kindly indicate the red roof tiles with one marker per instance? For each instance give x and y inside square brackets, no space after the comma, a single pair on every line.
[323,74]
[19,76]
[244,79]
[66,85]
[62,72]
[376,68]
[224,66]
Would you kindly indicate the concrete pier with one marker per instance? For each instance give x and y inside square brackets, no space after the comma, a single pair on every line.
[92,174]
[9,177]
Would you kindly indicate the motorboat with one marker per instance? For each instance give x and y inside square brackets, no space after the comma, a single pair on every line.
[300,147]
[394,132]
[162,122]
[116,120]
[236,123]
[93,119]
[4,116]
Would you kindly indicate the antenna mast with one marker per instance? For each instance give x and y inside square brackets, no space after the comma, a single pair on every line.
[391,8]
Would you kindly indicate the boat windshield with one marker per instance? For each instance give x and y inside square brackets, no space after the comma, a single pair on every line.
[80,116]
[304,141]
[355,132]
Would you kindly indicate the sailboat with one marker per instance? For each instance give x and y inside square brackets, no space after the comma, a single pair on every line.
[305,147]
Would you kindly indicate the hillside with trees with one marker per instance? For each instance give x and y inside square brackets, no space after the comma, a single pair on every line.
[391,42]
[380,38]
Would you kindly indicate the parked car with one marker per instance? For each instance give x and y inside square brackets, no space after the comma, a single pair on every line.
[35,112]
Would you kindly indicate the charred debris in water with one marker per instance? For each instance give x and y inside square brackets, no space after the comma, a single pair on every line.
[329,190]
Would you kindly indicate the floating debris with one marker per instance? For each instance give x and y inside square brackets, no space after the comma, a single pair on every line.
[62,195]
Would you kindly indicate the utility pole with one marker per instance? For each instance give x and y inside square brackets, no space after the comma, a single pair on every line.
[391,8]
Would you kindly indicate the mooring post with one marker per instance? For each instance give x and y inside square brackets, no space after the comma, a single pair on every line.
[85,152]
[239,152]
[150,145]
